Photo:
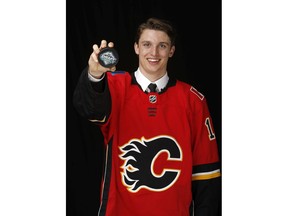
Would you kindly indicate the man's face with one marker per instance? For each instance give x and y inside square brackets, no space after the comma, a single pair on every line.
[154,49]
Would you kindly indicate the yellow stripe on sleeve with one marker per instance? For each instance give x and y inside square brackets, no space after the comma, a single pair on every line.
[101,121]
[206,175]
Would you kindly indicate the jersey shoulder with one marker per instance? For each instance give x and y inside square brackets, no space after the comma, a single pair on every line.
[119,77]
[191,90]
[118,74]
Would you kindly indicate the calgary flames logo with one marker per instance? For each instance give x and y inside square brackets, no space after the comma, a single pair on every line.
[140,157]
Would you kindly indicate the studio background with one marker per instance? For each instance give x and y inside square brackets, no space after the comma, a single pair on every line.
[197,60]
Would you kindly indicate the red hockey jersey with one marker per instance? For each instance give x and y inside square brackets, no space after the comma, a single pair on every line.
[154,140]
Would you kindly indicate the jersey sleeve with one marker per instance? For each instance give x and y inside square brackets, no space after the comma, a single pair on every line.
[206,175]
[92,104]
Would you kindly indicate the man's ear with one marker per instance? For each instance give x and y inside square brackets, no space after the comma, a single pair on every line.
[172,50]
[136,48]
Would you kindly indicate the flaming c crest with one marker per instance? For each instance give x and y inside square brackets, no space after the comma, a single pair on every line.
[139,157]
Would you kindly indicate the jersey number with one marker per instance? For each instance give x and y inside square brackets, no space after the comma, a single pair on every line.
[209,128]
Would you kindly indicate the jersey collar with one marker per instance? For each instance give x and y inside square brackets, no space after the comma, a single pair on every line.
[144,82]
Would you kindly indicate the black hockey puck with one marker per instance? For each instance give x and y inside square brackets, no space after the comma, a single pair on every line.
[108,57]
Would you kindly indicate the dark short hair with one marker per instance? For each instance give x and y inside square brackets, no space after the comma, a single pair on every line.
[157,24]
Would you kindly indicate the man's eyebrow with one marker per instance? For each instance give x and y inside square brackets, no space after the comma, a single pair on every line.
[163,42]
[168,43]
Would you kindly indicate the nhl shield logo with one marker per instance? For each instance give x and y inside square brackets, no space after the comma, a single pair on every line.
[153,98]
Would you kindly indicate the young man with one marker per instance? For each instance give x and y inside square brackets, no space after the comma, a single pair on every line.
[161,150]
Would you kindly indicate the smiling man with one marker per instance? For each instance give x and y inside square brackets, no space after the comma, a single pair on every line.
[161,150]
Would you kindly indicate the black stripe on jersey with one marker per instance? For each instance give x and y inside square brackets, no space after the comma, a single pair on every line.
[206,167]
[107,178]
[206,171]
[152,111]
